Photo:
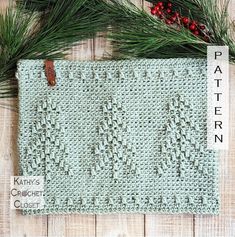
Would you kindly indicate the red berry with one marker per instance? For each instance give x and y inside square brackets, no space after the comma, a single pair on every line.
[168,10]
[168,22]
[192,27]
[153,11]
[176,14]
[157,8]
[159,13]
[173,18]
[196,32]
[160,3]
[169,4]
[185,20]
[202,27]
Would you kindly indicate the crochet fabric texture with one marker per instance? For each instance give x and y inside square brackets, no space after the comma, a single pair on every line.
[118,136]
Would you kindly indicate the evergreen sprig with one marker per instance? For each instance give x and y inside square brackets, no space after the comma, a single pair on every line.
[39,5]
[138,34]
[43,34]
[39,29]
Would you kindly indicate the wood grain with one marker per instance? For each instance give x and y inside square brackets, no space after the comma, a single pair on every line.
[169,225]
[71,225]
[13,224]
[120,225]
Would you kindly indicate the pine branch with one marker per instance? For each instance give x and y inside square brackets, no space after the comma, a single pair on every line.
[47,34]
[39,5]
[217,20]
[136,33]
[14,30]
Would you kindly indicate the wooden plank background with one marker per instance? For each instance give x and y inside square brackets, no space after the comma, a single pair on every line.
[13,224]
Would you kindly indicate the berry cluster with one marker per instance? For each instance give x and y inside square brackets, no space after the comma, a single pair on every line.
[164,11]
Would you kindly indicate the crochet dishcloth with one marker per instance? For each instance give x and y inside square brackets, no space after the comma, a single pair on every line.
[118,136]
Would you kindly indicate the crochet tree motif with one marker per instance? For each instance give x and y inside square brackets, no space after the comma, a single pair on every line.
[113,149]
[46,153]
[180,143]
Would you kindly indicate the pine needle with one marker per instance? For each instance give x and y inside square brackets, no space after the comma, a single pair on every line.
[39,5]
[135,33]
[47,34]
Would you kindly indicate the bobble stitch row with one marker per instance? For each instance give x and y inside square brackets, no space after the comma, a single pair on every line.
[121,74]
[136,200]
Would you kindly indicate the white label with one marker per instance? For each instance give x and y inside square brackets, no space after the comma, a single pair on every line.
[218,97]
[27,192]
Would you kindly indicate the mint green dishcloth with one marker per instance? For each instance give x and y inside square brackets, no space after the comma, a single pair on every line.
[118,136]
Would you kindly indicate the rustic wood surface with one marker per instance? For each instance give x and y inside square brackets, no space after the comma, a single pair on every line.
[13,224]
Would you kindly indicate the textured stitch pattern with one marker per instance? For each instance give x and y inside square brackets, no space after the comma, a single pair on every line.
[46,152]
[118,136]
[180,143]
[113,151]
